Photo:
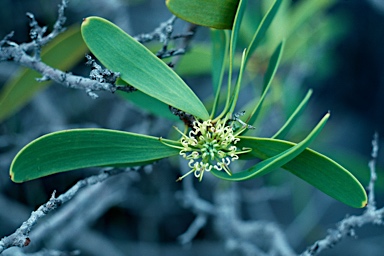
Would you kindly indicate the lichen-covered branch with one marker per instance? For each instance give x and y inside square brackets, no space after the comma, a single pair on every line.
[28,55]
[20,238]
[164,34]
[347,226]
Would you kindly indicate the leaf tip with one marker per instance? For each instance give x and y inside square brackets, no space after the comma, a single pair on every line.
[85,21]
[12,177]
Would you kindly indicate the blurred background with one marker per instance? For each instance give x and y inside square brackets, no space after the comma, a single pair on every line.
[333,47]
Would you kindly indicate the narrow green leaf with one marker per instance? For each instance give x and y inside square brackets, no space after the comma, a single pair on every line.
[273,162]
[312,167]
[270,73]
[138,66]
[236,91]
[63,53]
[149,104]
[232,48]
[304,11]
[197,61]
[291,120]
[146,102]
[217,14]
[262,28]
[220,47]
[80,148]
[236,27]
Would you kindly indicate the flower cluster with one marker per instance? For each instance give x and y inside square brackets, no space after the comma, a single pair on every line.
[209,145]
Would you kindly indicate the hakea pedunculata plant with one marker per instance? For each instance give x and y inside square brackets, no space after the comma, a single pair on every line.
[210,142]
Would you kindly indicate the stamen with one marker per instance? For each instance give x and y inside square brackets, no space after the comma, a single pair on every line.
[210,145]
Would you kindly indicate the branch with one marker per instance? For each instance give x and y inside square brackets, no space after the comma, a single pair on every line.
[190,199]
[247,237]
[163,34]
[37,32]
[18,53]
[346,226]
[20,238]
[11,51]
[243,237]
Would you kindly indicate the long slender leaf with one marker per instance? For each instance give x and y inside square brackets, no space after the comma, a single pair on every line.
[304,11]
[138,66]
[65,51]
[151,105]
[262,29]
[217,14]
[236,91]
[220,47]
[236,27]
[276,161]
[312,167]
[80,148]
[232,48]
[220,44]
[146,102]
[291,120]
[271,71]
[196,62]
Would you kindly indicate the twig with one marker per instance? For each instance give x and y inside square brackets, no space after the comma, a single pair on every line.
[18,53]
[20,238]
[372,167]
[247,237]
[190,199]
[163,34]
[199,222]
[346,226]
[37,32]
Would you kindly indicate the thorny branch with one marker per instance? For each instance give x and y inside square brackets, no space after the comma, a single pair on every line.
[28,55]
[20,238]
[347,226]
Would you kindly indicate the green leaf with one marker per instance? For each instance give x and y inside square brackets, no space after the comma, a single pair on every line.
[139,67]
[196,61]
[217,14]
[262,29]
[220,47]
[273,162]
[270,73]
[236,27]
[291,120]
[232,48]
[146,102]
[149,104]
[80,148]
[66,50]
[235,95]
[312,167]
[304,11]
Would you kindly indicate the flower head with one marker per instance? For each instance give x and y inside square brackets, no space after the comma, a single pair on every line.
[210,145]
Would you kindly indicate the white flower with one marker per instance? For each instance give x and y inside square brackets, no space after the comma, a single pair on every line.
[209,145]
